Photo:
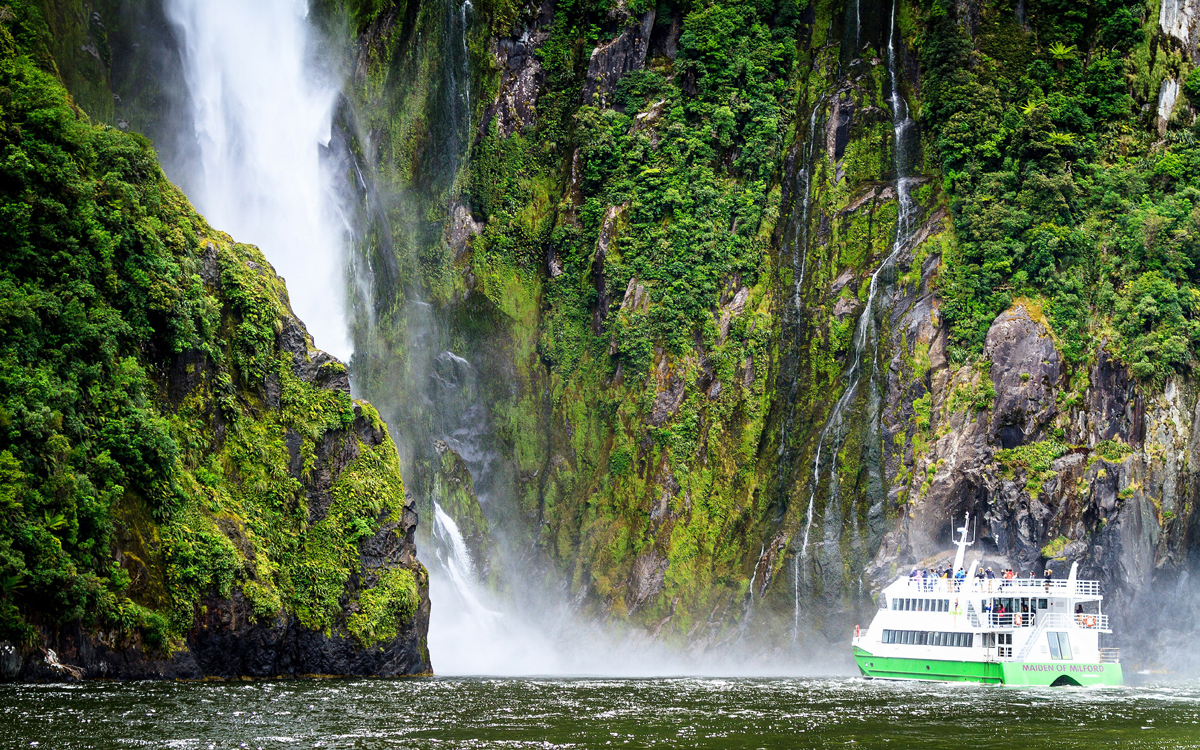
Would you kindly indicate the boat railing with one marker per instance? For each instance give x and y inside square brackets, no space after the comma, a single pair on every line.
[1011,619]
[1110,656]
[1018,586]
[1048,619]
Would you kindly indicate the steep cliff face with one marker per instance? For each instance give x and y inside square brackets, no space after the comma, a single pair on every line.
[188,487]
[747,339]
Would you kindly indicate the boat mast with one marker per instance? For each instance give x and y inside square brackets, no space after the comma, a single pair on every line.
[962,544]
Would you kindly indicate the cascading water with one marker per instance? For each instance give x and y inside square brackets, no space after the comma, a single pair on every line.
[865,329]
[262,109]
[455,560]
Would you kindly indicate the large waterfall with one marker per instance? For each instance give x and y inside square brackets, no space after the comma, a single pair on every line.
[262,107]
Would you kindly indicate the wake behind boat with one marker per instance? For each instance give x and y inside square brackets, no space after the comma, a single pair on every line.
[1034,631]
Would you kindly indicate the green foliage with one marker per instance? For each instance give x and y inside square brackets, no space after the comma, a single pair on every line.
[1112,450]
[385,607]
[1036,459]
[1055,547]
[1033,456]
[1054,192]
[134,407]
[1191,86]
[691,201]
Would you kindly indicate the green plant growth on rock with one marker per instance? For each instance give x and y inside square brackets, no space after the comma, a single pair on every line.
[157,445]
[1036,459]
[1053,186]
[1055,547]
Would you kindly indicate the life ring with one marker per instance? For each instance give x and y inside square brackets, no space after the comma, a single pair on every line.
[1017,620]
[1089,621]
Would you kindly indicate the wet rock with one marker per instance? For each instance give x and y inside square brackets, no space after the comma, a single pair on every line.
[1026,369]
[647,578]
[668,401]
[461,228]
[610,61]
[515,106]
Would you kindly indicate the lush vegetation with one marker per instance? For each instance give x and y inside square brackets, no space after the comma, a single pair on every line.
[145,404]
[1060,184]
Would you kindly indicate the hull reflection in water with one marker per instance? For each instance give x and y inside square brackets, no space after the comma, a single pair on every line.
[591,713]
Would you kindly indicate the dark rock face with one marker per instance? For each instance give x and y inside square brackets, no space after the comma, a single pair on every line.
[1025,372]
[611,61]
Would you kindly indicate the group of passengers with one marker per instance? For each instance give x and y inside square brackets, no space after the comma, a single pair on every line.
[927,579]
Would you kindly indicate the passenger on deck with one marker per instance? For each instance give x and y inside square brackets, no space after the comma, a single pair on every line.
[991,580]
[1049,577]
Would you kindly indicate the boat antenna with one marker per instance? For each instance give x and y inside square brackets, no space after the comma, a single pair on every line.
[962,543]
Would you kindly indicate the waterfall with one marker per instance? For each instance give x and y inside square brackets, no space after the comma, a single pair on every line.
[262,109]
[865,328]
[455,559]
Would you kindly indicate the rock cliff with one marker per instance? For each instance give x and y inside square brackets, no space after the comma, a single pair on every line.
[626,262]
[189,488]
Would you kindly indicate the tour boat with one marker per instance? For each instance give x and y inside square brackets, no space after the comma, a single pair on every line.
[1024,631]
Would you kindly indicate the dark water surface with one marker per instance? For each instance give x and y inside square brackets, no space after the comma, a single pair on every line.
[594,713]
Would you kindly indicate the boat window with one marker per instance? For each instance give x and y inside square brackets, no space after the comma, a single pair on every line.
[1055,651]
[1064,645]
[920,605]
[1043,604]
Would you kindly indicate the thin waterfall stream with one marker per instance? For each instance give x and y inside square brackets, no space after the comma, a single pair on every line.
[865,328]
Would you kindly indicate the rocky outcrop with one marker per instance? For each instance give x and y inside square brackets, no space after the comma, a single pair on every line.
[231,636]
[521,75]
[1025,373]
[1177,19]
[610,61]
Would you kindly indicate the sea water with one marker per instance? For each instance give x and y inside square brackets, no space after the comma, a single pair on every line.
[594,713]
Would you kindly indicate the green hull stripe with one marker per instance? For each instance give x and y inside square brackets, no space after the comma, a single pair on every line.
[991,673]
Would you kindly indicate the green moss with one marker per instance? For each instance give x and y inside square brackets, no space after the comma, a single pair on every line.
[1055,547]
[1114,451]
[385,607]
[137,395]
